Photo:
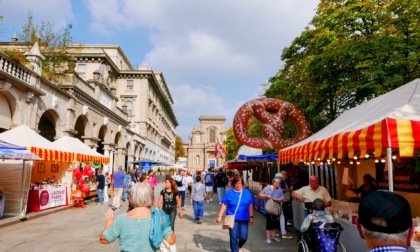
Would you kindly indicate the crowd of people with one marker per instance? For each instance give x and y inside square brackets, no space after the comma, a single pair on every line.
[134,229]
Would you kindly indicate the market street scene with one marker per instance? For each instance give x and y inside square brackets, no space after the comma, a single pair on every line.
[236,126]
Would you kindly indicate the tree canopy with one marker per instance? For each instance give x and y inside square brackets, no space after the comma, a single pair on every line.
[53,46]
[179,148]
[351,52]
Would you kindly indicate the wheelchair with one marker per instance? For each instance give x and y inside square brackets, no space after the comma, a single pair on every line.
[321,237]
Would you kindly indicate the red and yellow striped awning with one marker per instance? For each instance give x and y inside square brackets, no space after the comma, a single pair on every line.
[52,155]
[89,158]
[400,134]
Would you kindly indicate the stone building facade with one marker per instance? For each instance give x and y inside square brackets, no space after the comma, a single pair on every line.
[203,140]
[121,112]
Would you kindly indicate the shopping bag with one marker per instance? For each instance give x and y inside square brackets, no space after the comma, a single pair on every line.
[272,207]
[166,247]
[228,222]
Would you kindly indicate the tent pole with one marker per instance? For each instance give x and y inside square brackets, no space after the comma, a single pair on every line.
[21,214]
[390,172]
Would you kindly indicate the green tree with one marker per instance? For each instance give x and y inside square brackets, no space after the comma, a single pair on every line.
[351,52]
[179,148]
[53,46]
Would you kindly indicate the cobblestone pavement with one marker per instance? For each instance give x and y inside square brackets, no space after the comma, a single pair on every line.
[64,229]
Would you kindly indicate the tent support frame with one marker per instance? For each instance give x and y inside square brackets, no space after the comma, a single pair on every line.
[390,172]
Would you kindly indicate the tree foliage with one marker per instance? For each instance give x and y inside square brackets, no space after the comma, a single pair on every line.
[351,52]
[179,148]
[53,46]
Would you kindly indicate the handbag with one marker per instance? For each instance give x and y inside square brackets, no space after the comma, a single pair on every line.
[229,220]
[272,207]
[164,245]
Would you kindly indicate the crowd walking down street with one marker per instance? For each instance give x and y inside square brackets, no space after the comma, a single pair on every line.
[78,229]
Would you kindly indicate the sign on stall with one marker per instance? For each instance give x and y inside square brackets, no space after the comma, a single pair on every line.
[52,197]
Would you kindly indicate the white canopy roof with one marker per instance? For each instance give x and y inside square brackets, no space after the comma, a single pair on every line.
[25,136]
[401,103]
[72,144]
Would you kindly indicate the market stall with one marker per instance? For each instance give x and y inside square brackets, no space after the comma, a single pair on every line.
[12,152]
[380,137]
[83,156]
[257,171]
[50,172]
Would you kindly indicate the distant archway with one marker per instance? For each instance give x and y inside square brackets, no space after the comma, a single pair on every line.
[47,125]
[80,127]
[101,136]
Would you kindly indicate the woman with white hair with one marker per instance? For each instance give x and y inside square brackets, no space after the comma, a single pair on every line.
[133,228]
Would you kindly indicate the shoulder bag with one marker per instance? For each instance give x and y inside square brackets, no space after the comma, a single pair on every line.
[164,245]
[272,207]
[229,220]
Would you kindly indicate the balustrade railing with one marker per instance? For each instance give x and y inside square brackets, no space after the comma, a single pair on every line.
[14,69]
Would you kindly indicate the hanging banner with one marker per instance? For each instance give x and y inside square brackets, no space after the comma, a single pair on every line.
[52,197]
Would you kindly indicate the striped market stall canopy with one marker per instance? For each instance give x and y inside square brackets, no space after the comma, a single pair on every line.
[391,120]
[25,136]
[82,152]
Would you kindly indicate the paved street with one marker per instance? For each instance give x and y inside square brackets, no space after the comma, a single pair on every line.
[79,229]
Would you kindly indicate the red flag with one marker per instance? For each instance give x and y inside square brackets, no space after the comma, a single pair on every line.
[219,150]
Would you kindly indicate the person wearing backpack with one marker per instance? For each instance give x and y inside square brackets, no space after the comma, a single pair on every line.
[181,183]
[208,180]
[221,182]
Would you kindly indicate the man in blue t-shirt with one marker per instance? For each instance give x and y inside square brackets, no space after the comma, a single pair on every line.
[208,180]
[118,183]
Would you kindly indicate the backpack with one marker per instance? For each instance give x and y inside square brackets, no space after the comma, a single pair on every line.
[208,179]
[178,182]
[225,180]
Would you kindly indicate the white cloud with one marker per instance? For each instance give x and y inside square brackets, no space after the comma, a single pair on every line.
[223,50]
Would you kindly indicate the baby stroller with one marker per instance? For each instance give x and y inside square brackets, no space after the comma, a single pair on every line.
[321,237]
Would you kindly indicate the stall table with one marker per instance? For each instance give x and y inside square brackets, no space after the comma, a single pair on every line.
[45,198]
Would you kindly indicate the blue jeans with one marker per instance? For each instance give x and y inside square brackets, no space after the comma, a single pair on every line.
[238,235]
[221,193]
[198,207]
[182,196]
[100,195]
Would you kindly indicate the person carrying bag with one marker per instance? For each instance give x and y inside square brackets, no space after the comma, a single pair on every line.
[229,220]
[274,196]
[239,206]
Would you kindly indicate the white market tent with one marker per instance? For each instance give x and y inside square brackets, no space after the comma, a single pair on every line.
[390,121]
[83,152]
[25,136]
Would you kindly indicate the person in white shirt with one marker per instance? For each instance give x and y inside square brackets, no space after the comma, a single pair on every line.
[181,182]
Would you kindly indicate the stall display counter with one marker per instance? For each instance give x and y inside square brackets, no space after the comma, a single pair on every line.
[45,198]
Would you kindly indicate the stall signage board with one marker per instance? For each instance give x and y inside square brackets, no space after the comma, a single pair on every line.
[146,166]
[52,197]
[406,175]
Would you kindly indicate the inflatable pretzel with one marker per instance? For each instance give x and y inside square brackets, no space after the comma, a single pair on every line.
[272,113]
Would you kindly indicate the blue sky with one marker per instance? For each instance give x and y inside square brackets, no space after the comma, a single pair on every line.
[214,54]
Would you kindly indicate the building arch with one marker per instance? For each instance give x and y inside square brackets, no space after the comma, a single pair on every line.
[81,126]
[101,136]
[48,124]
[15,106]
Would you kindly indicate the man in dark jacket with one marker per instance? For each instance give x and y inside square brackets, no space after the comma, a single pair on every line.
[100,184]
[221,182]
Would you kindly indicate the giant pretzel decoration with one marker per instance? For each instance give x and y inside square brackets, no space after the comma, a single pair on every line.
[272,113]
